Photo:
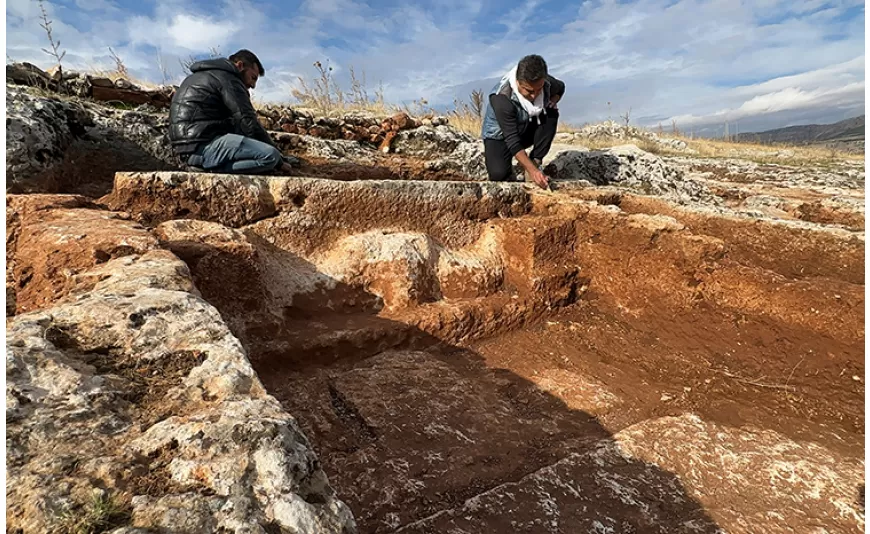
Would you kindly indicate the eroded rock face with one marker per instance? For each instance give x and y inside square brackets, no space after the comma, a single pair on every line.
[38,132]
[409,269]
[336,150]
[399,268]
[429,142]
[629,167]
[230,199]
[306,214]
[466,159]
[60,243]
[614,130]
[176,417]
[60,144]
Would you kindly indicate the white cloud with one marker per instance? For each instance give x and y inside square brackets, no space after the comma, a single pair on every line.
[839,86]
[197,32]
[661,58]
[184,30]
[103,6]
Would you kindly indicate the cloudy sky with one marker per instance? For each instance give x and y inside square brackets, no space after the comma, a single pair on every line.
[756,64]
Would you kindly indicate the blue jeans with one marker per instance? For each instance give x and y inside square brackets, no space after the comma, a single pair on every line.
[232,153]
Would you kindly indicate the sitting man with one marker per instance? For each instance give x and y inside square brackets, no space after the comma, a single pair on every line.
[521,112]
[212,123]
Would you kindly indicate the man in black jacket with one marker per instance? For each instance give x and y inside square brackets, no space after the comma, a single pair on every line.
[212,123]
[521,112]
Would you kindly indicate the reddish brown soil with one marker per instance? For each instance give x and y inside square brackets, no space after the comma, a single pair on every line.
[415,411]
[58,236]
[368,416]
[738,370]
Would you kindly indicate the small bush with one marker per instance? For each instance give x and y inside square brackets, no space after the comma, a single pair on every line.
[101,514]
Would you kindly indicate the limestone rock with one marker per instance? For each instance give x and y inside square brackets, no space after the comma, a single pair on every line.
[803,481]
[38,132]
[77,84]
[57,144]
[60,243]
[615,130]
[229,199]
[398,267]
[466,159]
[304,214]
[137,384]
[429,142]
[334,151]
[27,74]
[22,208]
[629,167]
[629,483]
[475,271]
[146,131]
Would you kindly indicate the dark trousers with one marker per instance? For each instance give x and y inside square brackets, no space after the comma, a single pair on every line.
[499,160]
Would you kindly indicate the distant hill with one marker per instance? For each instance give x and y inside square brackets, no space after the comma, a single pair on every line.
[847,132]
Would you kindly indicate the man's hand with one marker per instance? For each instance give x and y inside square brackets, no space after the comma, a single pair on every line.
[539,178]
[533,172]
[554,99]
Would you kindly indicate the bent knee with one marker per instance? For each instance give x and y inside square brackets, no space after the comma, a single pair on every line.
[272,157]
[501,175]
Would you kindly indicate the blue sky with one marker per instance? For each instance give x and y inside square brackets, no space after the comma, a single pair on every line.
[761,64]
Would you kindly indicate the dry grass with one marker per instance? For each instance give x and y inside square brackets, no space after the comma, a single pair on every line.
[120,72]
[719,149]
[101,514]
[779,154]
[116,73]
[323,93]
[468,123]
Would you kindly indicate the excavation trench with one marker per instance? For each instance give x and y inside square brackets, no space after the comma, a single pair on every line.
[473,357]
[458,354]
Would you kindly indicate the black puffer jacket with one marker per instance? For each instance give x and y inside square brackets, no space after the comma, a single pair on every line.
[212,101]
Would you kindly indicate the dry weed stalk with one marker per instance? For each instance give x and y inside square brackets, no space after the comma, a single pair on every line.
[55,51]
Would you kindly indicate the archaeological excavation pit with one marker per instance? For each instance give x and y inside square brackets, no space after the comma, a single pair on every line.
[479,357]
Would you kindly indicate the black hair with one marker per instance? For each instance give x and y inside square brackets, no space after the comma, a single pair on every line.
[531,68]
[248,59]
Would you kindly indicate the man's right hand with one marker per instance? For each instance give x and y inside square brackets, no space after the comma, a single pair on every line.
[539,178]
[533,172]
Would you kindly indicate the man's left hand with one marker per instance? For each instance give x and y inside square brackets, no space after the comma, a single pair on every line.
[553,101]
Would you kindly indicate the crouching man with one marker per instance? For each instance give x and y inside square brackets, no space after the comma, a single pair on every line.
[521,112]
[212,123]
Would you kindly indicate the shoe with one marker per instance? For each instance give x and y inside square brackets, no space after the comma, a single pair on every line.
[293,161]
